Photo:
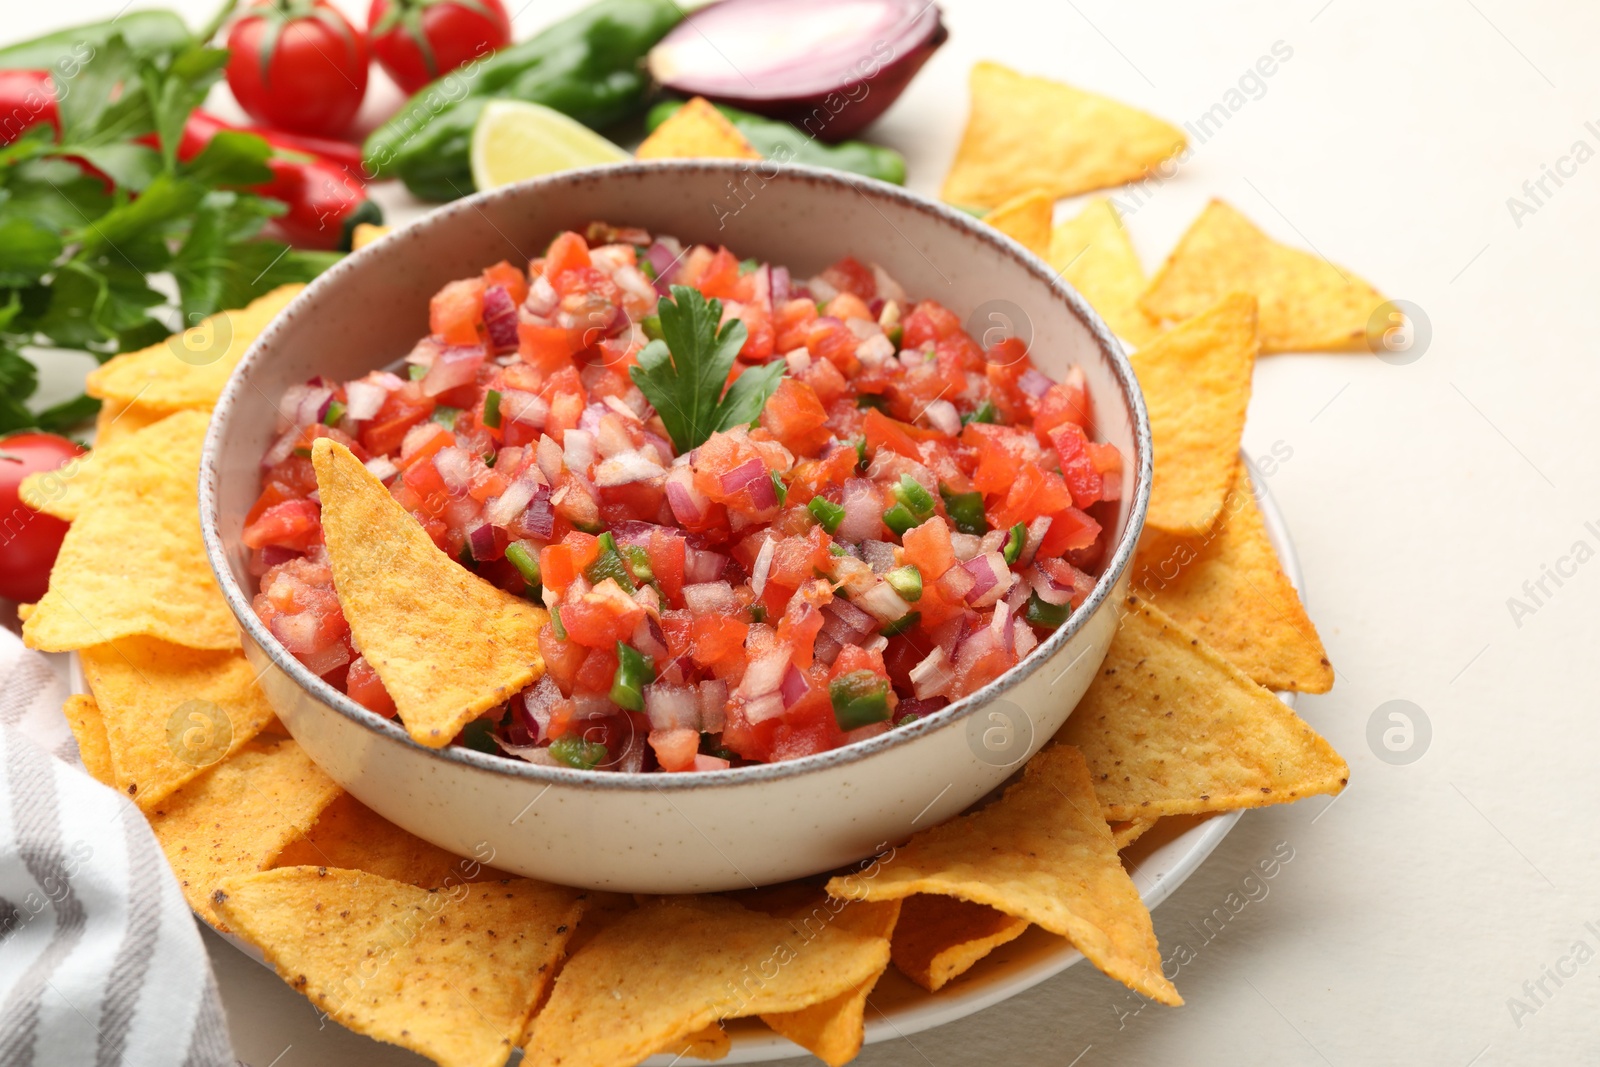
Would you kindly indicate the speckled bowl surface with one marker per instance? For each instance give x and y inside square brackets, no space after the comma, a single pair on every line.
[718,830]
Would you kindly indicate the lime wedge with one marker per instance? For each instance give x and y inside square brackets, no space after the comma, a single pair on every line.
[514,140]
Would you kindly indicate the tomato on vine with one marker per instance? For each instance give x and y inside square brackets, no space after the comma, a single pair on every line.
[298,65]
[417,41]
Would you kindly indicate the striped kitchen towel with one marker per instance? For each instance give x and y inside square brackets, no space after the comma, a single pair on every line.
[100,960]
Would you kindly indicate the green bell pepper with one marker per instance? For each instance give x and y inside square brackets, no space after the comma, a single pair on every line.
[778,140]
[589,66]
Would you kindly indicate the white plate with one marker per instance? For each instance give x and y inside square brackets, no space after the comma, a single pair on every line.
[1159,862]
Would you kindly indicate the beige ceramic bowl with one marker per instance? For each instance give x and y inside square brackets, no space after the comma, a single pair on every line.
[686,832]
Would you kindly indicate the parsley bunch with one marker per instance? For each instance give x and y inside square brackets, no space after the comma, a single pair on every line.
[683,374]
[106,266]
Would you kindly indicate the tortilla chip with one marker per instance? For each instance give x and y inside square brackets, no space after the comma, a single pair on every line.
[1307,303]
[697,130]
[118,420]
[833,1030]
[670,969]
[1196,385]
[1043,853]
[447,644]
[63,491]
[1027,133]
[1093,253]
[940,938]
[236,818]
[351,836]
[1127,832]
[1229,590]
[453,974]
[1169,727]
[133,563]
[188,370]
[365,233]
[712,1043]
[83,716]
[1026,218]
[171,712]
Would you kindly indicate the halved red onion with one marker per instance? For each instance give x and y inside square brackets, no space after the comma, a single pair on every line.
[456,366]
[689,505]
[713,705]
[751,476]
[710,598]
[363,399]
[1033,383]
[500,318]
[828,66]
[672,707]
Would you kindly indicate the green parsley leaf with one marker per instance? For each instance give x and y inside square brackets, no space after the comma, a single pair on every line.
[682,375]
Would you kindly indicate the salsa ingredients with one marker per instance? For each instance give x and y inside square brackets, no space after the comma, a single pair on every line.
[298,65]
[30,540]
[514,141]
[781,141]
[829,66]
[587,66]
[417,41]
[147,32]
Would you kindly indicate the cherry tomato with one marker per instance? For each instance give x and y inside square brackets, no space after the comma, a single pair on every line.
[29,541]
[417,41]
[298,65]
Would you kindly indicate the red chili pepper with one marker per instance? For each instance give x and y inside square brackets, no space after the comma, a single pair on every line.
[344,153]
[27,98]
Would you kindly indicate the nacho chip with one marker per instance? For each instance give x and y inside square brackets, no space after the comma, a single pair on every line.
[351,836]
[1026,218]
[365,233]
[712,1043]
[1196,385]
[1169,727]
[1043,853]
[833,1030]
[446,643]
[133,563]
[1127,832]
[941,938]
[1307,303]
[188,370]
[1093,253]
[1027,133]
[668,970]
[83,716]
[238,816]
[453,974]
[1228,589]
[171,712]
[697,130]
[63,491]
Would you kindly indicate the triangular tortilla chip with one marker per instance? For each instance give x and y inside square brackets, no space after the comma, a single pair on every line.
[351,836]
[712,1043]
[446,644]
[1228,589]
[1093,253]
[940,938]
[117,420]
[1169,727]
[133,563]
[1307,303]
[833,1030]
[1126,833]
[83,716]
[669,969]
[170,712]
[697,130]
[1043,853]
[1026,218]
[63,491]
[1027,133]
[188,370]
[237,817]
[1196,385]
[453,974]
[367,232]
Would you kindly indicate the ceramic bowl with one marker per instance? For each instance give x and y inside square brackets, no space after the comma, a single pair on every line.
[661,833]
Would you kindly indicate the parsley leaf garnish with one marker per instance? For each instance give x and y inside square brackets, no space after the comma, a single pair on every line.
[683,374]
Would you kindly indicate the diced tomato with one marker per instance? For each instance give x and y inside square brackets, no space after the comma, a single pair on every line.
[856,658]
[802,621]
[667,554]
[509,278]
[1065,402]
[900,437]
[294,524]
[830,339]
[363,685]
[456,312]
[675,749]
[795,415]
[826,380]
[721,276]
[927,547]
[569,251]
[598,671]
[601,617]
[848,306]
[716,638]
[561,658]
[790,322]
[401,410]
[928,323]
[850,275]
[275,492]
[1070,530]
[752,741]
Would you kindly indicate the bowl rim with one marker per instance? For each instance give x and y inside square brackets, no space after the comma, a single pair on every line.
[493,763]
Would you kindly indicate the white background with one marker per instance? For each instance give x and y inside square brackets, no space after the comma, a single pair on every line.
[1421,497]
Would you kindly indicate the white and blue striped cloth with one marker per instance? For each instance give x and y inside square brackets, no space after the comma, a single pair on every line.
[101,963]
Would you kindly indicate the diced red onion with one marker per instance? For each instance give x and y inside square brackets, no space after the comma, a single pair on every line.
[577,451]
[591,706]
[751,475]
[932,676]
[764,674]
[481,543]
[762,708]
[888,288]
[1022,639]
[863,511]
[955,583]
[542,297]
[826,649]
[455,467]
[762,567]
[710,598]
[662,446]
[851,616]
[550,459]
[943,416]
[821,289]
[529,409]
[672,707]
[625,468]
[879,555]
[511,503]
[302,405]
[1001,625]
[500,318]
[664,257]
[991,578]
[329,659]
[883,603]
[539,519]
[703,762]
[282,448]
[456,366]
[1036,533]
[701,566]
[965,546]
[538,705]
[713,705]
[780,286]
[1033,383]
[689,505]
[920,708]
[1052,580]
[363,400]
[794,687]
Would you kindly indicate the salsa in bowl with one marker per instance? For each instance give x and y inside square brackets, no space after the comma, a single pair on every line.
[845,583]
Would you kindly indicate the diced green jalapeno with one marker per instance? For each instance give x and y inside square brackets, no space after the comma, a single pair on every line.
[860,698]
[336,411]
[638,561]
[894,333]
[610,564]
[779,488]
[417,371]
[478,735]
[445,416]
[907,581]
[902,624]
[557,627]
[634,672]
[861,453]
[527,563]
[986,413]
[576,752]
[491,409]
[1047,616]
[900,519]
[910,493]
[828,514]
[966,511]
[1014,542]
